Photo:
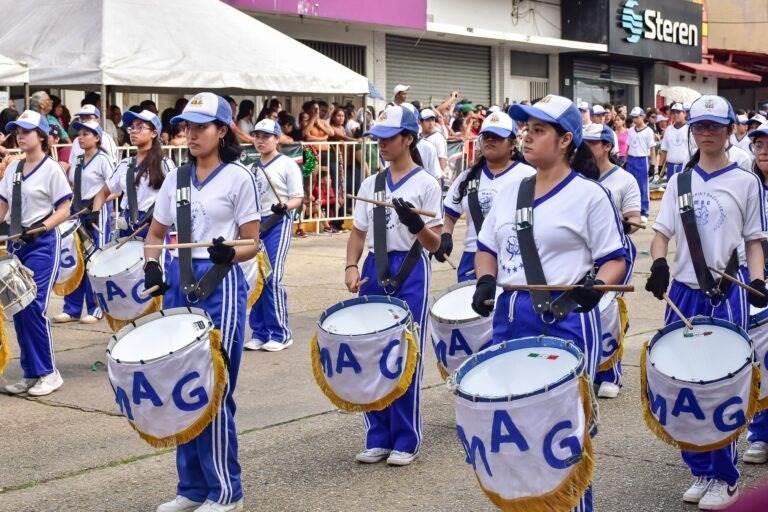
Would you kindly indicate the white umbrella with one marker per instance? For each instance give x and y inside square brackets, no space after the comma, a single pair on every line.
[680,94]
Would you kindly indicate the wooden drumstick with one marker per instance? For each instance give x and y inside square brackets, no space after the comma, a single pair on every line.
[568,287]
[425,213]
[635,224]
[19,235]
[194,245]
[450,263]
[146,293]
[737,282]
[131,236]
[679,313]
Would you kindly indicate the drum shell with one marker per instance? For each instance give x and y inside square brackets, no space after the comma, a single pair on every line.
[119,294]
[71,261]
[17,286]
[758,331]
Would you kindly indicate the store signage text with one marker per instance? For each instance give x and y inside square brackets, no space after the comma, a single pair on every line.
[651,24]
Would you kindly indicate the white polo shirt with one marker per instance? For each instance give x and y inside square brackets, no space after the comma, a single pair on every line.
[95,174]
[641,142]
[42,190]
[678,143]
[145,195]
[285,176]
[624,190]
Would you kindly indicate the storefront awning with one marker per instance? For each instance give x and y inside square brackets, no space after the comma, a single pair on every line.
[717,70]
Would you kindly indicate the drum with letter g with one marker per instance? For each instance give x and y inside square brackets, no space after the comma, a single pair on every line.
[699,388]
[523,414]
[168,374]
[365,352]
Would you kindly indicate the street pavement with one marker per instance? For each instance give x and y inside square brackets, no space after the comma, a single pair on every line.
[72,451]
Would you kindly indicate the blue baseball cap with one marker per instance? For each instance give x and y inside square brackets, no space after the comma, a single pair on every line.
[599,132]
[29,120]
[92,126]
[712,108]
[394,120]
[499,124]
[145,115]
[89,110]
[552,109]
[205,107]
[267,126]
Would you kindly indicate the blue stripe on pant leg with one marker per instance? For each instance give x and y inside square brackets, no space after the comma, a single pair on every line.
[466,270]
[638,167]
[281,308]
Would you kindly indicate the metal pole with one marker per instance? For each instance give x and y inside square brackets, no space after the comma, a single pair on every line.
[104,104]
[26,95]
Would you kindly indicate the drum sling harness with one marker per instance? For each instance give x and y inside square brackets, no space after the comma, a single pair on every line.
[687,211]
[389,283]
[473,201]
[196,290]
[534,273]
[18,176]
[130,192]
[274,219]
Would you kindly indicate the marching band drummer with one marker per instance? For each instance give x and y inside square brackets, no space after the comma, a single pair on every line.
[39,198]
[148,169]
[219,201]
[395,432]
[474,190]
[88,176]
[269,315]
[729,210]
[625,194]
[576,230]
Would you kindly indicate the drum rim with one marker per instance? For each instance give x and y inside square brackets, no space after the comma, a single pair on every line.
[366,299]
[761,319]
[702,320]
[445,292]
[115,338]
[102,249]
[506,346]
[75,225]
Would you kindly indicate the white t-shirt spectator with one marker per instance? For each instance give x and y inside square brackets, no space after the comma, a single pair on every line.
[438,140]
[245,125]
[351,127]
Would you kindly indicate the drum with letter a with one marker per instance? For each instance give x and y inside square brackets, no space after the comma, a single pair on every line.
[457,331]
[699,388]
[117,279]
[168,373]
[365,352]
[758,331]
[523,410]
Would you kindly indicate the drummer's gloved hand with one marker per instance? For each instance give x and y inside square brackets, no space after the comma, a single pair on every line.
[153,276]
[28,237]
[627,227]
[586,296]
[219,253]
[407,216]
[658,281]
[446,247]
[93,217]
[755,300]
[485,290]
[279,208]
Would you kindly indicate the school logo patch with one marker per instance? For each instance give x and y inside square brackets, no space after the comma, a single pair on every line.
[709,212]
[709,105]
[196,101]
[200,222]
[494,118]
[509,257]
[485,197]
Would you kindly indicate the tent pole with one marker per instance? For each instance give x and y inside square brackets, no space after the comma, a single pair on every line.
[104,104]
[26,95]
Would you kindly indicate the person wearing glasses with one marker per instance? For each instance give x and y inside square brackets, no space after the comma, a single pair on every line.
[730,212]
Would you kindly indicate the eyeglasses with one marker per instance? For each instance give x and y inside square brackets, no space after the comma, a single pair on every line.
[759,146]
[138,128]
[707,126]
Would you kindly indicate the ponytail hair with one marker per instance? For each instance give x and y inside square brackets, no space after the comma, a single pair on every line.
[152,166]
[477,167]
[414,150]
[583,160]
[693,161]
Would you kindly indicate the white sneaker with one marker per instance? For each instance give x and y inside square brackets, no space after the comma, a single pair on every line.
[63,318]
[397,458]
[276,346]
[253,344]
[212,506]
[608,390]
[179,504]
[88,319]
[20,387]
[372,455]
[47,384]
[697,489]
[719,496]
[757,453]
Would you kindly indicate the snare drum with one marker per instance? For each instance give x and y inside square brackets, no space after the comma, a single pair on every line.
[168,374]
[365,352]
[699,389]
[457,330]
[758,331]
[523,410]
[71,261]
[117,279]
[614,319]
[17,286]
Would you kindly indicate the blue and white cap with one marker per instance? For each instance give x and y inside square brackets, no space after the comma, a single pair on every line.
[583,106]
[145,115]
[499,124]
[91,125]
[205,107]
[677,107]
[742,119]
[89,110]
[552,109]
[494,108]
[29,120]
[394,120]
[760,131]
[597,110]
[269,126]
[599,132]
[637,112]
[711,108]
[757,118]
[427,113]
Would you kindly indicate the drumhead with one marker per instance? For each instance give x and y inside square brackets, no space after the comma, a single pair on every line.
[159,334]
[110,261]
[716,350]
[518,368]
[365,315]
[8,263]
[455,304]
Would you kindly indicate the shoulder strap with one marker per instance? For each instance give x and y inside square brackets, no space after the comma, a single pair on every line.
[380,230]
[130,191]
[184,225]
[534,273]
[688,216]
[473,201]
[18,176]
[77,186]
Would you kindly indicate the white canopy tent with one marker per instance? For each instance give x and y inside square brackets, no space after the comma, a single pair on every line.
[12,72]
[185,45]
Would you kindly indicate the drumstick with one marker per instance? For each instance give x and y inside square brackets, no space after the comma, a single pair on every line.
[131,236]
[737,282]
[452,264]
[425,213]
[635,224]
[146,293]
[194,245]
[274,190]
[33,231]
[679,313]
[568,287]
